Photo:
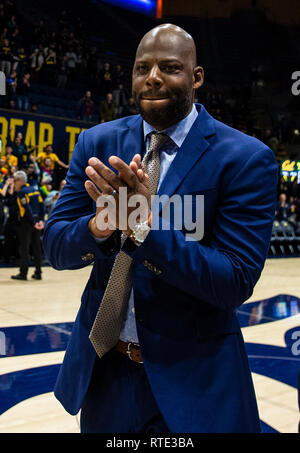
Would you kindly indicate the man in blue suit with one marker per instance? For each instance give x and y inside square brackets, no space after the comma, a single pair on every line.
[177,363]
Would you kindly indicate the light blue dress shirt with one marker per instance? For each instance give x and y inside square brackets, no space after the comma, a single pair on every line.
[177,133]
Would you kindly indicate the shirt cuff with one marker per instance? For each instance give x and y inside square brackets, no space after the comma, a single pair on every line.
[110,244]
[100,240]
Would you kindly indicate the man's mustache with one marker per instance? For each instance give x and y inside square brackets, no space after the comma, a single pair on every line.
[152,94]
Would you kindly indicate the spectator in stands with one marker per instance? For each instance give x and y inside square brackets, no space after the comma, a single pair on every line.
[31,222]
[53,196]
[49,66]
[98,63]
[45,186]
[12,24]
[85,107]
[297,209]
[10,249]
[47,169]
[22,92]
[3,193]
[15,39]
[34,108]
[107,109]
[49,154]
[3,36]
[33,173]
[36,60]
[20,62]
[283,208]
[72,41]
[130,108]
[9,159]
[39,65]
[292,204]
[119,97]
[11,86]
[12,171]
[3,190]
[3,171]
[20,150]
[71,61]
[118,77]
[6,58]
[105,80]
[62,73]
[80,63]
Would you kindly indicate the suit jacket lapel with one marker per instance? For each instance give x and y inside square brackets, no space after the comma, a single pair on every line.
[194,145]
[130,139]
[131,142]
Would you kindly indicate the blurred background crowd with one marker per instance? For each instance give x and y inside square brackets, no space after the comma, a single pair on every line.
[77,64]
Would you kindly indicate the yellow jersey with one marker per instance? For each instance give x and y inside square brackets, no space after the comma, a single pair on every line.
[41,159]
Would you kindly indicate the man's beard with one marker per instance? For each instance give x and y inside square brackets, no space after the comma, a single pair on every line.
[176,109]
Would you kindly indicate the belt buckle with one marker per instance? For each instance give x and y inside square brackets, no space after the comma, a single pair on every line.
[128,352]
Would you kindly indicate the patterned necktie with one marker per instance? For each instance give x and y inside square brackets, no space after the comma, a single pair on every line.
[107,326]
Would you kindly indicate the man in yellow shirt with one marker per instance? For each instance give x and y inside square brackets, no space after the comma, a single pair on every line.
[48,153]
[9,159]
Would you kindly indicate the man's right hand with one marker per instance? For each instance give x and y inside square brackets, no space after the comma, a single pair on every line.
[95,230]
[136,167]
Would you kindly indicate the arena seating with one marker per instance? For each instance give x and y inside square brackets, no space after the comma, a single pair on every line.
[285,240]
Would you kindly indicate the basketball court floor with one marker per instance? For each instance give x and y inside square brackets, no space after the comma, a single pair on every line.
[36,319]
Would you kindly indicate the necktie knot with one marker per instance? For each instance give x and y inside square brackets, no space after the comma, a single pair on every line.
[157,140]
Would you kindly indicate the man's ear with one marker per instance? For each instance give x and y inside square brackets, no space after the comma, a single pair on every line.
[198,77]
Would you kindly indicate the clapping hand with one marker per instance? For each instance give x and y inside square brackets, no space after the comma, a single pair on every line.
[101,177]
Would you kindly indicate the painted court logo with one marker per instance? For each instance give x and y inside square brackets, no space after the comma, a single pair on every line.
[2,84]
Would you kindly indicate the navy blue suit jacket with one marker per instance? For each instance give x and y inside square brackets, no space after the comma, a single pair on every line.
[190,338]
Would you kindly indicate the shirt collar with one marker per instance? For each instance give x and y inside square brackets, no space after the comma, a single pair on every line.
[177,132]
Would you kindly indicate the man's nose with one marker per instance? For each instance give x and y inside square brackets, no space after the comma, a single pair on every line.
[154,77]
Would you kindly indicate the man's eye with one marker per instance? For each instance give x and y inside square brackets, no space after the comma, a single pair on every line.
[170,68]
[142,68]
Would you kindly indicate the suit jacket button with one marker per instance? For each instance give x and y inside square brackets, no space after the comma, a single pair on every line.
[88,257]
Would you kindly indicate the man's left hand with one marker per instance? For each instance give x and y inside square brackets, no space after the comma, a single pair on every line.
[130,176]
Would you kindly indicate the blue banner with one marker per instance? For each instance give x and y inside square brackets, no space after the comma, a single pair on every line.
[41,130]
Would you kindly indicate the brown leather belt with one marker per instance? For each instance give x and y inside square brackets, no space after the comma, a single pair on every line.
[132,350]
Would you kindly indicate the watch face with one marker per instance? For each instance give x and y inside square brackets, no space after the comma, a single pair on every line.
[140,231]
